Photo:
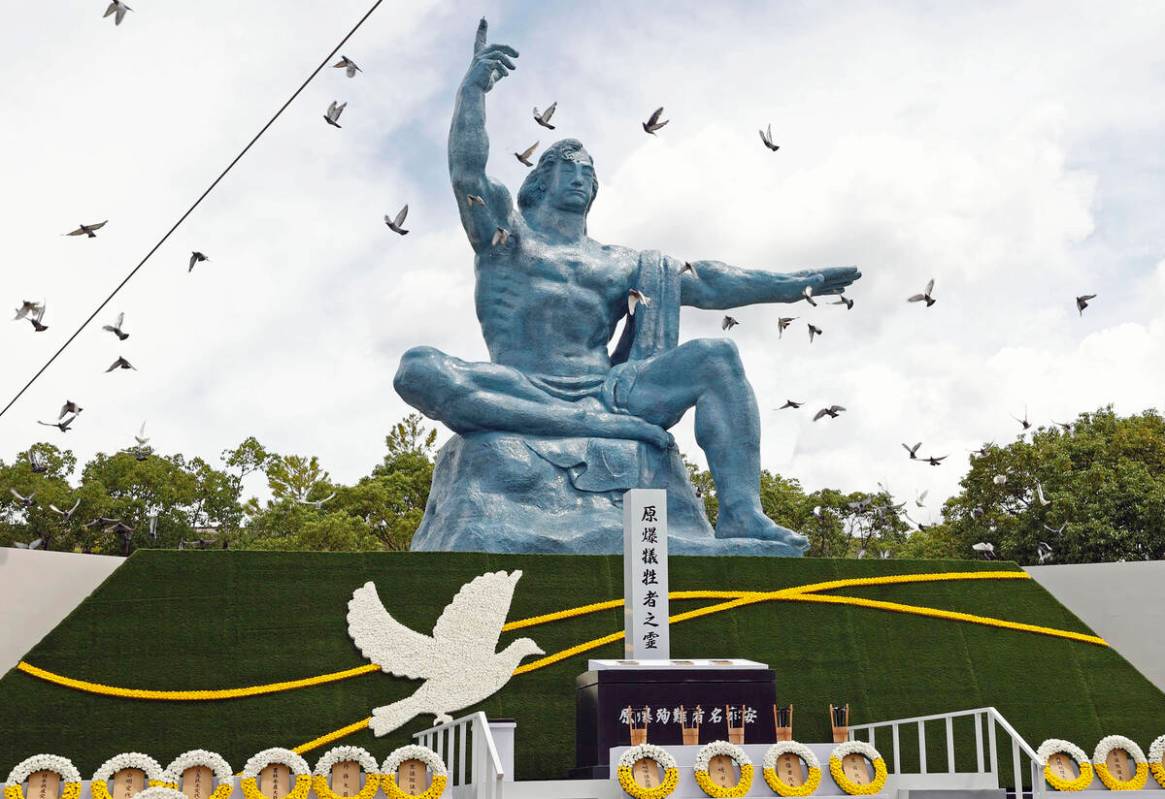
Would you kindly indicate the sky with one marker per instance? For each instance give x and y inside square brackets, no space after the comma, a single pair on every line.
[1010,151]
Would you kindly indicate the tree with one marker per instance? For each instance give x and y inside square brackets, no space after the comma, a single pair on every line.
[1092,492]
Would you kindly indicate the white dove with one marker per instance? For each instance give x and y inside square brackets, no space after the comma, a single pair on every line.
[459,662]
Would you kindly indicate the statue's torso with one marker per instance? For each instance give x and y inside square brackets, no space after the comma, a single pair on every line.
[549,308]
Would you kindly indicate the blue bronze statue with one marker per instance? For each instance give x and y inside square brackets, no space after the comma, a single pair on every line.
[555,427]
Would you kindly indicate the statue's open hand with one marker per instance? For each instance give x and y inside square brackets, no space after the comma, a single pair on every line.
[832,280]
[491,62]
[652,434]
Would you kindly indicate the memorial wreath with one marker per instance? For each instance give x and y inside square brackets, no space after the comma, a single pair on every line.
[1157,759]
[671,772]
[261,760]
[340,754]
[742,761]
[1053,746]
[201,758]
[867,751]
[812,765]
[1100,763]
[156,776]
[432,761]
[61,766]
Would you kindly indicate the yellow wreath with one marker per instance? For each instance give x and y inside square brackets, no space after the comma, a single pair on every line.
[156,776]
[704,779]
[1100,763]
[812,764]
[413,752]
[845,783]
[671,772]
[62,766]
[220,769]
[249,782]
[1053,746]
[1157,760]
[340,754]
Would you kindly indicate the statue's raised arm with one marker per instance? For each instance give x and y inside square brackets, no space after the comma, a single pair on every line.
[484,203]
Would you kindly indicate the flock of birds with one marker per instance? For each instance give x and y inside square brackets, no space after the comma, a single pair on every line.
[34,312]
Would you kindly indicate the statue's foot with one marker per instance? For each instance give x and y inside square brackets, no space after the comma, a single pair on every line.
[752,523]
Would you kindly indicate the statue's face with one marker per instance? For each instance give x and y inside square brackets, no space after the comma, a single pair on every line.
[570,185]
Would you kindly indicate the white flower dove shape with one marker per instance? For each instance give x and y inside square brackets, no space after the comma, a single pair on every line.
[458,662]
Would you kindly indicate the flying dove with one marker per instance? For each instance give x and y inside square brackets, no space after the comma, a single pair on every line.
[807,293]
[26,307]
[501,238]
[913,450]
[653,124]
[729,323]
[474,199]
[69,407]
[120,363]
[936,460]
[924,296]
[332,117]
[1082,302]
[846,301]
[196,257]
[687,267]
[634,297]
[524,156]
[543,118]
[348,65]
[88,230]
[459,662]
[767,137]
[814,330]
[35,318]
[790,404]
[832,411]
[118,9]
[782,323]
[396,225]
[115,328]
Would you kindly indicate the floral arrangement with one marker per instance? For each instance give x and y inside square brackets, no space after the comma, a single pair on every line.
[1053,746]
[260,760]
[802,751]
[1157,760]
[160,792]
[432,761]
[340,754]
[671,773]
[867,751]
[156,776]
[14,785]
[1100,763]
[742,761]
[217,764]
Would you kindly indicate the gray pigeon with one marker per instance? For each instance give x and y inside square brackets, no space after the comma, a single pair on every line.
[524,156]
[332,117]
[653,124]
[395,224]
[543,118]
[118,9]
[348,65]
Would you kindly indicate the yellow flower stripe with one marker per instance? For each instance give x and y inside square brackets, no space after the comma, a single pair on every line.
[198,695]
[334,735]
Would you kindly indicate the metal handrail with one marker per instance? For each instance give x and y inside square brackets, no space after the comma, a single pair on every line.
[486,755]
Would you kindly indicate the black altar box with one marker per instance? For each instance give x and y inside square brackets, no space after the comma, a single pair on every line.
[603,696]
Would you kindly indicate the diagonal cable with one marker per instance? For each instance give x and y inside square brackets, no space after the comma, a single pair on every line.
[194,205]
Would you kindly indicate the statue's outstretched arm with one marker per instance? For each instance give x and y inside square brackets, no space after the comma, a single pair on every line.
[717,285]
[483,202]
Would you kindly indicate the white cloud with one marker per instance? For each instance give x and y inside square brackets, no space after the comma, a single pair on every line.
[978,145]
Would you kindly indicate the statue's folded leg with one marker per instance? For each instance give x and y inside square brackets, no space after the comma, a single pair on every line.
[707,374]
[471,397]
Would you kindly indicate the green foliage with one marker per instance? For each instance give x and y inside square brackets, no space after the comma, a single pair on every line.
[1103,481]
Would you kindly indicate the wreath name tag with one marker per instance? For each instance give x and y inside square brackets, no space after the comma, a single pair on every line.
[856,769]
[275,780]
[44,785]
[1063,766]
[127,782]
[1118,764]
[346,778]
[413,777]
[646,773]
[197,782]
[790,771]
[722,771]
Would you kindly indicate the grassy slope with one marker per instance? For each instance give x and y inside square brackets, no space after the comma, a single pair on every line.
[226,619]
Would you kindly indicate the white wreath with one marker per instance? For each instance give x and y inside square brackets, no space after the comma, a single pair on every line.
[1157,749]
[152,768]
[160,792]
[260,760]
[1054,745]
[340,754]
[651,751]
[790,748]
[55,763]
[717,748]
[414,752]
[847,748]
[201,757]
[1110,742]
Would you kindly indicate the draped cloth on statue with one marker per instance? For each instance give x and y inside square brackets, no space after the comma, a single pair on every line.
[500,491]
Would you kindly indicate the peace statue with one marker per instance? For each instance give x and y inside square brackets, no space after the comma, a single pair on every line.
[555,427]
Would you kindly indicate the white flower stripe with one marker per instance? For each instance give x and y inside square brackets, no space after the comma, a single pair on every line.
[340,754]
[717,748]
[201,757]
[152,768]
[414,752]
[1054,745]
[61,765]
[1110,742]
[260,760]
[790,748]
[160,793]
[847,748]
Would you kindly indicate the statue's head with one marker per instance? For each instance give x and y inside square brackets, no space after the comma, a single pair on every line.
[564,178]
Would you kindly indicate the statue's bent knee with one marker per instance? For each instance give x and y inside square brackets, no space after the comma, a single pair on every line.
[721,355]
[419,376]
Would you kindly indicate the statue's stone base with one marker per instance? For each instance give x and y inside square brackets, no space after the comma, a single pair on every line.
[506,492]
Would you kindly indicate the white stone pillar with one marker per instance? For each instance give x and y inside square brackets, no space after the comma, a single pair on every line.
[645,584]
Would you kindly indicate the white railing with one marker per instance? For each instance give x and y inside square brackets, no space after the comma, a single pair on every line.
[467,739]
[986,775]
